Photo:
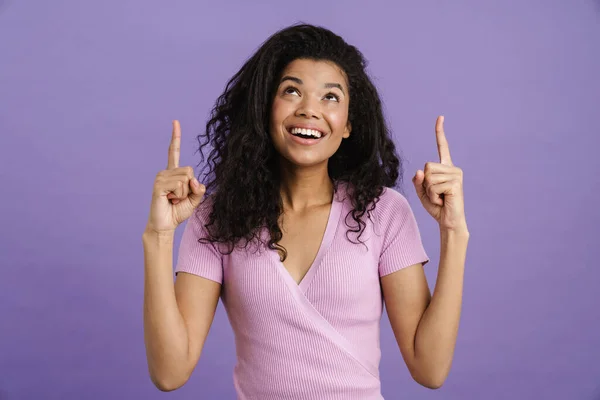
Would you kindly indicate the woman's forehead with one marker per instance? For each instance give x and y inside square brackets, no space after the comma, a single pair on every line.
[315,71]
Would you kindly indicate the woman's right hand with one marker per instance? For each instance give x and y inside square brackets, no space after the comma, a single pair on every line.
[176,191]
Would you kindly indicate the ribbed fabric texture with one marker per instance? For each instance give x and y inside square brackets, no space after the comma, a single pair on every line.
[318,339]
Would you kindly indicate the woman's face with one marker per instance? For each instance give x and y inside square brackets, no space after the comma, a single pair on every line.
[309,117]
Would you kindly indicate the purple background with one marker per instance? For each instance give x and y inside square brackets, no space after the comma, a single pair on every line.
[87,94]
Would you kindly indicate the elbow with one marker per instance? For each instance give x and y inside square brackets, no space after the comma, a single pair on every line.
[167,385]
[431,383]
[429,379]
[168,382]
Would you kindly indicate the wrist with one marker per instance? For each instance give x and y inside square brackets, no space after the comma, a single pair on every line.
[151,235]
[455,232]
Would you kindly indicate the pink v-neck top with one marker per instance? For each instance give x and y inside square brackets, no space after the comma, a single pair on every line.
[318,339]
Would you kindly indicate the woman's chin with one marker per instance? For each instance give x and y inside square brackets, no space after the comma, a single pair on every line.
[305,161]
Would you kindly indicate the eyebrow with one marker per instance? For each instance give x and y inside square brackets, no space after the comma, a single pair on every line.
[299,82]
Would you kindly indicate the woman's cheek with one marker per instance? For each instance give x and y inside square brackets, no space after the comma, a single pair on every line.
[339,121]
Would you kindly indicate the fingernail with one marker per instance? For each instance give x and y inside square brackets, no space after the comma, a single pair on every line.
[195,182]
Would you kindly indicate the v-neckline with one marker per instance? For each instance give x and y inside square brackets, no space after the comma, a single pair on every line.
[328,236]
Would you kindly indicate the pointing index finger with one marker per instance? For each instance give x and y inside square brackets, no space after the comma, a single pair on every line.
[174,147]
[442,143]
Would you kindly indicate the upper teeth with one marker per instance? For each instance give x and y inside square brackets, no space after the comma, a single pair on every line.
[308,132]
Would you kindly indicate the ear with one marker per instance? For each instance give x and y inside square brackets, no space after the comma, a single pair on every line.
[347,130]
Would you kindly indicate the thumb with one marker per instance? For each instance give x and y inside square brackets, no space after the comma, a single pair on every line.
[197,192]
[418,182]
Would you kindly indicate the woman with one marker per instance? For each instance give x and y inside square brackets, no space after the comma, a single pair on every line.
[301,234]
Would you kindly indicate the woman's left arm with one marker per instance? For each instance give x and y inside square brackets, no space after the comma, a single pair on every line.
[426,326]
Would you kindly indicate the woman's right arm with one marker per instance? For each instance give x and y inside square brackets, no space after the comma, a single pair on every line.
[177,316]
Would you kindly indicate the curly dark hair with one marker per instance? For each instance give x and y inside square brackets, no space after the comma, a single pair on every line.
[243,178]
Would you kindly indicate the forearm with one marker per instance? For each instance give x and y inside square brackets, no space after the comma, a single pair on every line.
[437,331]
[165,333]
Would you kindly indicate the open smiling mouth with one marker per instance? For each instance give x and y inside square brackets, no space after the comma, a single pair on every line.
[306,136]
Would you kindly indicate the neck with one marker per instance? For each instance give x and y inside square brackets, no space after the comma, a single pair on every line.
[305,187]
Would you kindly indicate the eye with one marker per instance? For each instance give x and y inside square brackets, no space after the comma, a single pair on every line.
[291,90]
[332,96]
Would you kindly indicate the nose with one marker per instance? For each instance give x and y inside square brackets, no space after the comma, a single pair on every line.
[308,108]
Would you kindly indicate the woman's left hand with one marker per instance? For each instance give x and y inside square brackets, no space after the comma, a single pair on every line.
[440,186]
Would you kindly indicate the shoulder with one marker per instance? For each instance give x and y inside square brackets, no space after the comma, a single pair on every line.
[201,214]
[205,208]
[391,204]
[393,214]
[198,224]
[392,195]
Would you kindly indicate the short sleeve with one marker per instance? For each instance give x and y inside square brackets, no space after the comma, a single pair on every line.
[202,259]
[401,239]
